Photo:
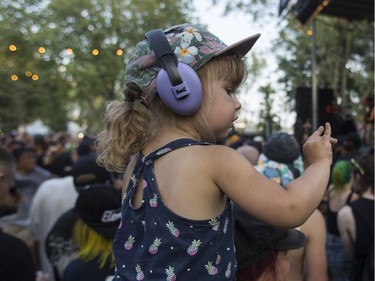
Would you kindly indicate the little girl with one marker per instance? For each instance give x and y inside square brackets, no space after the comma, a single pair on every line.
[177,221]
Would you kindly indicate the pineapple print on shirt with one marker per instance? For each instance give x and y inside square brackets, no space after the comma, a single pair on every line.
[140,274]
[175,232]
[193,248]
[153,249]
[212,270]
[228,271]
[215,224]
[154,201]
[129,243]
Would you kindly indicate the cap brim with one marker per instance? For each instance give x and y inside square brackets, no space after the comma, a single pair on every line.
[294,239]
[107,231]
[241,47]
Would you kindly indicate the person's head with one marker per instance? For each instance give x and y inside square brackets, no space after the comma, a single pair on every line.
[25,159]
[282,148]
[87,172]
[213,67]
[250,152]
[363,173]
[40,144]
[86,145]
[341,174]
[281,158]
[261,249]
[99,213]
[273,267]
[347,144]
[7,174]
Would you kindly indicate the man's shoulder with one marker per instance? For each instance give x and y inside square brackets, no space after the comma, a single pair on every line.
[11,243]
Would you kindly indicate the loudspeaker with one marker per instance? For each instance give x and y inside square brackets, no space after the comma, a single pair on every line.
[304,105]
[178,85]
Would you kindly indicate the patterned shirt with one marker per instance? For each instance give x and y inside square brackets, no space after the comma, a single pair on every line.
[279,172]
[153,243]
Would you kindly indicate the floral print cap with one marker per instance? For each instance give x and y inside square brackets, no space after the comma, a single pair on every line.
[192,44]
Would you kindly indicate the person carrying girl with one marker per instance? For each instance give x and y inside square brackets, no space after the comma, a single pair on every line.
[180,99]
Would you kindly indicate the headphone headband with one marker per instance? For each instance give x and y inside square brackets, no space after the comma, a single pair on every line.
[163,51]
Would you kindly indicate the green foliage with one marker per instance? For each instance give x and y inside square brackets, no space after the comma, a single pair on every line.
[344,52]
[73,84]
[269,121]
[344,58]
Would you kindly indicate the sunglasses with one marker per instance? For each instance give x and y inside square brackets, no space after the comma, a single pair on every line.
[356,164]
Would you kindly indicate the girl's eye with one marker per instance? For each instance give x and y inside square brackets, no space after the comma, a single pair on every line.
[230,91]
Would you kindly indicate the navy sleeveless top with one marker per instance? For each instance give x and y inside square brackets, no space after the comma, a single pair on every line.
[153,243]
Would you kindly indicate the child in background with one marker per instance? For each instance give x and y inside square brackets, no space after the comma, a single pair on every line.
[177,220]
[262,250]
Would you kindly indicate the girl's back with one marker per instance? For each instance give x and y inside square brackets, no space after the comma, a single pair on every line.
[163,233]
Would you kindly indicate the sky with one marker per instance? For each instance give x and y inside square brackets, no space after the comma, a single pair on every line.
[234,27]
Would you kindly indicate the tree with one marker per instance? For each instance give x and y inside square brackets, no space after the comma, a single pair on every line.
[345,58]
[77,50]
[269,120]
[345,52]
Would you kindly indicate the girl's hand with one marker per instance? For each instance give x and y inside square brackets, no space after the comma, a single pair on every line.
[318,146]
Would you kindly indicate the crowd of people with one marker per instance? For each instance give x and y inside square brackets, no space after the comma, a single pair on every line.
[44,218]
[163,193]
[64,211]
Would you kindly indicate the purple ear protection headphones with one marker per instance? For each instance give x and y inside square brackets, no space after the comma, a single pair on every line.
[178,85]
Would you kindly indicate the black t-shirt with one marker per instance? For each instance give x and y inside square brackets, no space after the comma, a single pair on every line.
[60,247]
[16,261]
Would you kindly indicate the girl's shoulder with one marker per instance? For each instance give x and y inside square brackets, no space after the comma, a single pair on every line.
[200,147]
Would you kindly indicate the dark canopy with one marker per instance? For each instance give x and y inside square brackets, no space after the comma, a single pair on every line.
[349,9]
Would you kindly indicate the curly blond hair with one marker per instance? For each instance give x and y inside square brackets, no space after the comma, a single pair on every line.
[130,125]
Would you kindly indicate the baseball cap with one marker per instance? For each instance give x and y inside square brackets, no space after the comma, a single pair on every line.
[282,148]
[86,145]
[192,44]
[256,239]
[86,171]
[99,207]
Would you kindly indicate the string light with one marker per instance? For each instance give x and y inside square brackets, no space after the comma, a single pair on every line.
[69,51]
[12,48]
[309,32]
[42,50]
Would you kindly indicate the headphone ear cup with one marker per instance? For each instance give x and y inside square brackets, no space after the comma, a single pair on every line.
[187,104]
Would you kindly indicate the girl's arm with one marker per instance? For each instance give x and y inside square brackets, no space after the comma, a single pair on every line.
[284,207]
